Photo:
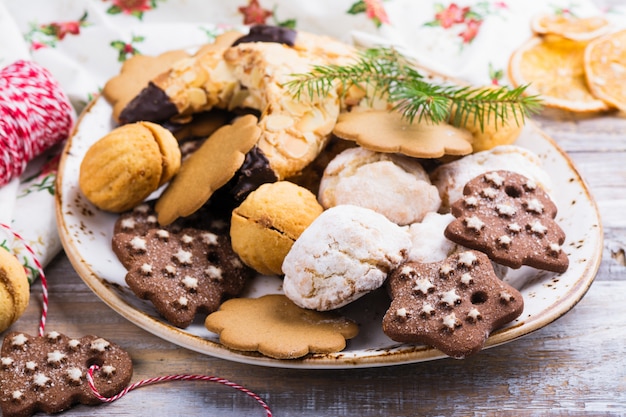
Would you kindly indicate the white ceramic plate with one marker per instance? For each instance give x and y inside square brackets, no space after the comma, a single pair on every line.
[86,234]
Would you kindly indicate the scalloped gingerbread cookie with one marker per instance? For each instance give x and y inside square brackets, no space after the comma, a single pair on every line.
[135,74]
[387,131]
[274,326]
[210,167]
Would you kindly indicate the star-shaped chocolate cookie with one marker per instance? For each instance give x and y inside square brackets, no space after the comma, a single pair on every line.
[452,305]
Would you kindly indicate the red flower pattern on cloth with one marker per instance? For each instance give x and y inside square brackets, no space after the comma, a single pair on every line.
[468,18]
[127,49]
[41,36]
[451,15]
[373,9]
[132,7]
[253,13]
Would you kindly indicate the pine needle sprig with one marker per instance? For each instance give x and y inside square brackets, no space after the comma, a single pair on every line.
[385,73]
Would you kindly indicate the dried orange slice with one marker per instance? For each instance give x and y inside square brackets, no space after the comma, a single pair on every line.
[605,68]
[554,69]
[570,27]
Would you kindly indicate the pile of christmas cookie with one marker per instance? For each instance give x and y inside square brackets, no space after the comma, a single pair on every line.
[333,192]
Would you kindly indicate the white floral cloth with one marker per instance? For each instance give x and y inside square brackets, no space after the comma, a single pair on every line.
[84,42]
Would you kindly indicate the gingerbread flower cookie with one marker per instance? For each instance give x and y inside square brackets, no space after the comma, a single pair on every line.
[182,270]
[510,218]
[209,168]
[274,326]
[386,131]
[452,305]
[49,373]
[135,74]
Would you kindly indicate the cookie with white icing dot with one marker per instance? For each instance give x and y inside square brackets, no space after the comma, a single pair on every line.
[49,373]
[510,218]
[182,270]
[452,305]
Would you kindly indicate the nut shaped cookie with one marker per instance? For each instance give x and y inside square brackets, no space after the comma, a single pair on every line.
[49,373]
[387,131]
[452,305]
[126,165]
[14,289]
[211,166]
[274,326]
[510,218]
[265,226]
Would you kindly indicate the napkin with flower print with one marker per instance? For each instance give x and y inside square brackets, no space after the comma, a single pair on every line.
[84,42]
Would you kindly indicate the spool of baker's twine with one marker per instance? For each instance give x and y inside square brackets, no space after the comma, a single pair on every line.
[35,114]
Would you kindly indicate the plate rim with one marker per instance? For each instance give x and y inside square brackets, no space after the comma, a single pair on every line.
[338,360]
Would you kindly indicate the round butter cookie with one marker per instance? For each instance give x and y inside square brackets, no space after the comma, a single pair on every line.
[268,222]
[14,289]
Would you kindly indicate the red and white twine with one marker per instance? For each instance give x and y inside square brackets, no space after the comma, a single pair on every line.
[35,114]
[42,276]
[93,368]
[169,378]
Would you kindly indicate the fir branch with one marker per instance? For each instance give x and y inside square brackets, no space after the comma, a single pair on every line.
[385,73]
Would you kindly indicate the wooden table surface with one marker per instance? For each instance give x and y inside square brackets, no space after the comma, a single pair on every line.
[575,366]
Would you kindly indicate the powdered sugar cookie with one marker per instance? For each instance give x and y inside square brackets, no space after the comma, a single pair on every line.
[393,185]
[428,241]
[345,253]
[450,178]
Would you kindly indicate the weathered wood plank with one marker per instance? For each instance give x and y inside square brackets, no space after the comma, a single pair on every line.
[574,366]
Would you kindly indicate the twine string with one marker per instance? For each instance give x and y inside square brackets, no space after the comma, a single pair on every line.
[35,114]
[93,368]
[167,378]
[42,276]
